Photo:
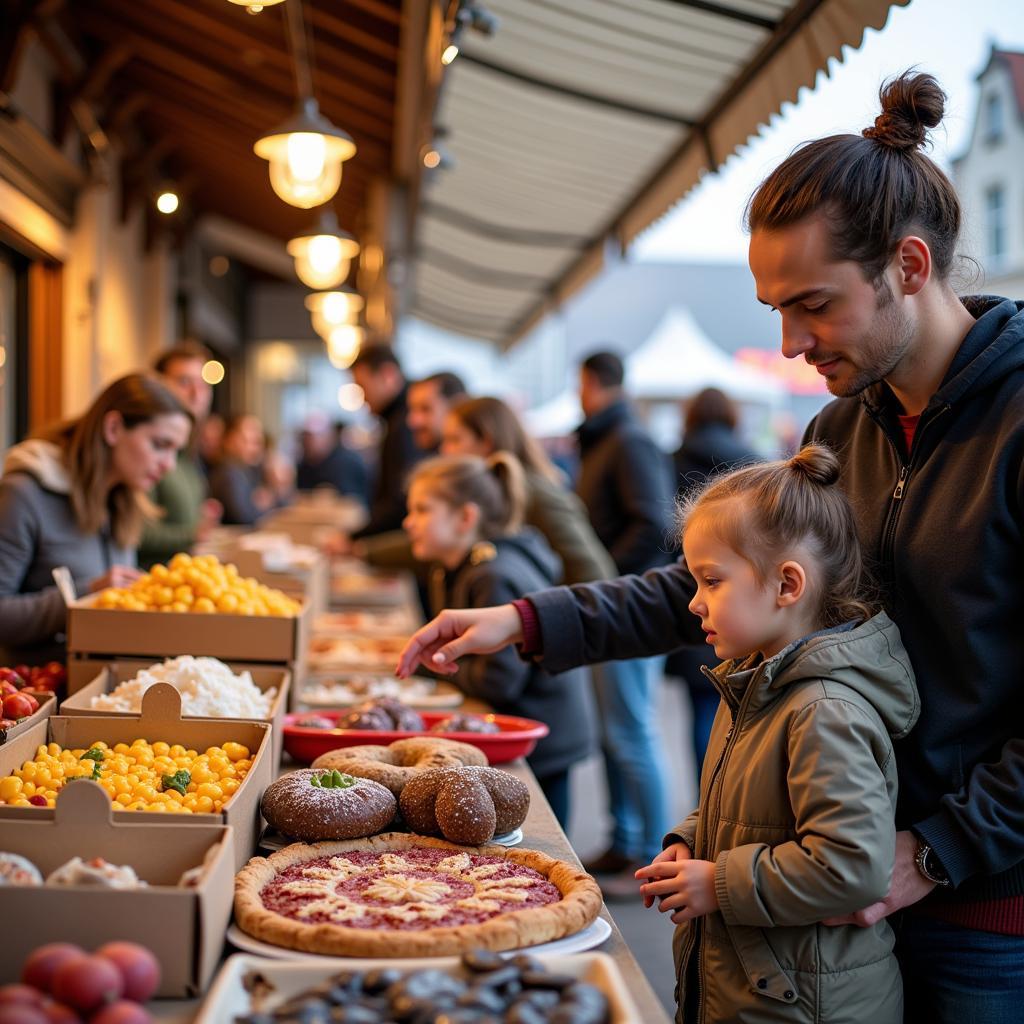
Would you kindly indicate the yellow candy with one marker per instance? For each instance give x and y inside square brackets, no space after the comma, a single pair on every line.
[236,751]
[10,788]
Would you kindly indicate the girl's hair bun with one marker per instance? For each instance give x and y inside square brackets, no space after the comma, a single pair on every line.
[818,463]
[911,104]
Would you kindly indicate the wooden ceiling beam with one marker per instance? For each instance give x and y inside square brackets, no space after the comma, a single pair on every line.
[91,83]
[344,29]
[122,112]
[182,24]
[184,74]
[242,119]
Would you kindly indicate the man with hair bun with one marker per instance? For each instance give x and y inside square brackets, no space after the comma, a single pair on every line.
[853,241]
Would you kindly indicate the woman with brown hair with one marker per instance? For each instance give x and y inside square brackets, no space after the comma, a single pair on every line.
[76,496]
[483,426]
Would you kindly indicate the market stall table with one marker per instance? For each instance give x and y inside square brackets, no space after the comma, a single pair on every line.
[541,832]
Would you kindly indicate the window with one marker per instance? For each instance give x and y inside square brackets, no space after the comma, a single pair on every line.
[995,223]
[13,277]
[994,126]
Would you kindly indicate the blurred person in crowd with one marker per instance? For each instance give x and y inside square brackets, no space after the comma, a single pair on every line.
[326,462]
[624,482]
[429,400]
[377,371]
[483,426]
[853,241]
[278,471]
[710,445]
[237,480]
[465,516]
[210,442]
[76,496]
[188,514]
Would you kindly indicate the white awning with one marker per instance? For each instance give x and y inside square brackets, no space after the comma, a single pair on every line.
[582,121]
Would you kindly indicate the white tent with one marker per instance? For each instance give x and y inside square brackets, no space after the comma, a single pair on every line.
[679,359]
[556,418]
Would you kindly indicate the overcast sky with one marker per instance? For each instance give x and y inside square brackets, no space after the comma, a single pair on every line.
[950,39]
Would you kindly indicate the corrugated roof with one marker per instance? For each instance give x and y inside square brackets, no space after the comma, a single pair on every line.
[582,121]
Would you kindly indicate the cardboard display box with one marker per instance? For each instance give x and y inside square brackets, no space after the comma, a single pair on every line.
[110,632]
[47,706]
[111,674]
[183,927]
[160,720]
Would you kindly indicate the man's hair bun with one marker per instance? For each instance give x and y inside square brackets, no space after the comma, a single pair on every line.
[911,104]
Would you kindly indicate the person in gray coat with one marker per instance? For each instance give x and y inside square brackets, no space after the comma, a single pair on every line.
[76,497]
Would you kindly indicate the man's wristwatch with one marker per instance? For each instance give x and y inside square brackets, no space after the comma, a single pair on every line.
[929,866]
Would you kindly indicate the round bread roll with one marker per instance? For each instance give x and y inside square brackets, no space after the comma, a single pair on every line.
[465,805]
[466,723]
[385,713]
[394,765]
[314,805]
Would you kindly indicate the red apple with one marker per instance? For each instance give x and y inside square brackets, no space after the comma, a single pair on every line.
[42,963]
[140,970]
[17,680]
[123,1012]
[87,983]
[58,1013]
[7,688]
[21,1013]
[50,677]
[19,705]
[20,995]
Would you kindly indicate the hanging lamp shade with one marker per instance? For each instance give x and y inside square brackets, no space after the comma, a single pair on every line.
[255,6]
[324,254]
[343,344]
[305,154]
[335,308]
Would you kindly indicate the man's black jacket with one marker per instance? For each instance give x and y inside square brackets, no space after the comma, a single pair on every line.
[942,527]
[626,484]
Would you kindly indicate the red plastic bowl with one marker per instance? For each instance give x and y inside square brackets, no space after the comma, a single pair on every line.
[517,738]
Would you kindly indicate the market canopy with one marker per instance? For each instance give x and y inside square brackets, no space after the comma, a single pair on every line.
[679,359]
[582,121]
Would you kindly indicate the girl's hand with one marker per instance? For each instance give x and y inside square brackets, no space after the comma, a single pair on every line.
[685,887]
[675,852]
[118,576]
[454,633]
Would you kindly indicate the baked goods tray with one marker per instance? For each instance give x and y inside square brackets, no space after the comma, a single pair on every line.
[368,621]
[517,736]
[343,689]
[369,588]
[229,997]
[355,653]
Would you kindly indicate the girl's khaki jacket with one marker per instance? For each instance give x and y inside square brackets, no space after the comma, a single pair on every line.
[797,811]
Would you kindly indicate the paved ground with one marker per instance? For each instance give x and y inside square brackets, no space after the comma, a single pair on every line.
[648,933]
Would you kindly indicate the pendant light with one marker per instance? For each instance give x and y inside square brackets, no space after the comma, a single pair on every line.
[305,154]
[324,254]
[255,6]
[343,344]
[332,309]
[307,151]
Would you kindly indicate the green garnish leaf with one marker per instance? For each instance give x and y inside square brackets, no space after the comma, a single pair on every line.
[178,781]
[93,754]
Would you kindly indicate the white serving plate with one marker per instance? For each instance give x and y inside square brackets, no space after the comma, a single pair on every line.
[273,840]
[591,936]
[228,998]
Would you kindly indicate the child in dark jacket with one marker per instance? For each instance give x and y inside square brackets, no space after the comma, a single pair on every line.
[465,515]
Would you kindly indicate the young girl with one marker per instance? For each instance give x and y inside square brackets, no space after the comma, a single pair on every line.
[465,514]
[795,825]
